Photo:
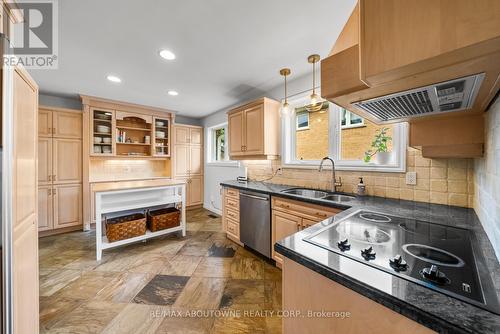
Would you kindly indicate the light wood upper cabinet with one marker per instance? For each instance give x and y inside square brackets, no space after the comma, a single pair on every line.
[67,205]
[44,160]
[181,134]
[45,123]
[254,124]
[254,130]
[67,124]
[67,165]
[235,129]
[45,207]
[195,136]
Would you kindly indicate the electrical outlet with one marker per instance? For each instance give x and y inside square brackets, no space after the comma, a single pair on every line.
[279,171]
[411,178]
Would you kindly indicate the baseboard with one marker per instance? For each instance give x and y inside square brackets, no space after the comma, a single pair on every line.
[42,234]
[213,210]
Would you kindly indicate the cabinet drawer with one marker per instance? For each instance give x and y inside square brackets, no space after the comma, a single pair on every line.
[304,209]
[233,228]
[234,193]
[233,204]
[232,214]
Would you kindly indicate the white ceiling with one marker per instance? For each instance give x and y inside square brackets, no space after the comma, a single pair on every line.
[227,50]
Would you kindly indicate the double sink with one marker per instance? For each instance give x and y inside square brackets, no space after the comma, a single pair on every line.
[318,194]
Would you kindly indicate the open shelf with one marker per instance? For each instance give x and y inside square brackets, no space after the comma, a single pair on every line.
[132,128]
[137,144]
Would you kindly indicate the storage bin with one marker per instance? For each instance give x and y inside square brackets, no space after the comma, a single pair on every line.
[163,218]
[125,227]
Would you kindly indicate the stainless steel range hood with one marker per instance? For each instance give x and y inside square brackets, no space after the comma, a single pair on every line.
[453,95]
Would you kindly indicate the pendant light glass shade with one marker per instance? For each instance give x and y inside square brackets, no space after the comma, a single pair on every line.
[316,103]
[285,107]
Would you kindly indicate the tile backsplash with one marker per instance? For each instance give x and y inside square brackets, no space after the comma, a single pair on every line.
[487,202]
[441,181]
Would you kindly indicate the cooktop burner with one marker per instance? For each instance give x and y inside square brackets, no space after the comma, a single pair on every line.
[436,256]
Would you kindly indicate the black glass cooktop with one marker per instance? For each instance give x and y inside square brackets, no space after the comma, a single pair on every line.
[436,256]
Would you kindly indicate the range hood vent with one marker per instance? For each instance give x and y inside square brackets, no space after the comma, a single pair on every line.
[454,95]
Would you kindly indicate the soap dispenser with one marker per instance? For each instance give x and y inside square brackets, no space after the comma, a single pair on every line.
[361,188]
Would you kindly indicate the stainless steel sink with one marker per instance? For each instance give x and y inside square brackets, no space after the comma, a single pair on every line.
[305,192]
[338,198]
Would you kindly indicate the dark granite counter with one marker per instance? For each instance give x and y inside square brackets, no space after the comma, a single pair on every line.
[428,307]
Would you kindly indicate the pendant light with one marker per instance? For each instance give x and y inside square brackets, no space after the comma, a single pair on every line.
[316,103]
[285,108]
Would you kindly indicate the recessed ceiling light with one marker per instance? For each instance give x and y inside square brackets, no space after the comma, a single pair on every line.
[167,54]
[173,93]
[114,78]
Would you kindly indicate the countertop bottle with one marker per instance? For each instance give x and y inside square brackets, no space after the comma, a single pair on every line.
[361,191]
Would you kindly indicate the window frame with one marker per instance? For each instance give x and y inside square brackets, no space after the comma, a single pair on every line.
[297,122]
[348,124]
[211,149]
[400,140]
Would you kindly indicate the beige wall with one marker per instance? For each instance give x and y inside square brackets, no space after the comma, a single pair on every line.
[487,179]
[442,181]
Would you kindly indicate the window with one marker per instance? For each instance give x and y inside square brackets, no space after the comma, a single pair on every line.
[217,150]
[350,120]
[340,134]
[302,120]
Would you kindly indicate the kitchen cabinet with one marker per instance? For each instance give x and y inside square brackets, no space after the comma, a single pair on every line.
[67,125]
[436,41]
[254,130]
[305,290]
[290,216]
[231,213]
[161,137]
[188,161]
[44,123]
[60,163]
[67,161]
[67,205]
[44,160]
[45,208]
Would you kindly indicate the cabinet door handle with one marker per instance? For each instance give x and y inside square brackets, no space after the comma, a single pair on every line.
[53,191]
[54,177]
[50,177]
[48,191]
[321,214]
[53,130]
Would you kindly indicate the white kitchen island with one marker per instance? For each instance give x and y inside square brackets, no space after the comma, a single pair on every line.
[112,199]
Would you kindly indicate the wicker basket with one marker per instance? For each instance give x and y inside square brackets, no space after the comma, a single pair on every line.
[163,218]
[125,227]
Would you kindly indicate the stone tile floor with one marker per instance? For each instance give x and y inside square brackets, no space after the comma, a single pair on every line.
[202,283]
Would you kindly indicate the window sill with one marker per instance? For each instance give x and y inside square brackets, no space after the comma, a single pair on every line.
[347,127]
[348,167]
[223,164]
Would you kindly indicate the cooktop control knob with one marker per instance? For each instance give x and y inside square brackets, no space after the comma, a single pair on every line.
[368,253]
[398,264]
[433,274]
[344,245]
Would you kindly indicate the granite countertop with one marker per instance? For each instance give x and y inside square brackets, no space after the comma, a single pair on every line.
[428,307]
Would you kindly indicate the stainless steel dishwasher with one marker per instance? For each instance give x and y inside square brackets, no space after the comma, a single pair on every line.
[255,221]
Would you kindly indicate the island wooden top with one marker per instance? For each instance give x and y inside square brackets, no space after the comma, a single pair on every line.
[121,185]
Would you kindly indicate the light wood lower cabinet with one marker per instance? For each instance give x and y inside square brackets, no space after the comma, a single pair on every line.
[67,201]
[195,191]
[60,206]
[289,217]
[305,290]
[45,208]
[231,213]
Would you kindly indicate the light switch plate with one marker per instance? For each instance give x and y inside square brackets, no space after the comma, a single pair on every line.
[411,178]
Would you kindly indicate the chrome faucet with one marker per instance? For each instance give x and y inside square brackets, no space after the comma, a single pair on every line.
[335,183]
